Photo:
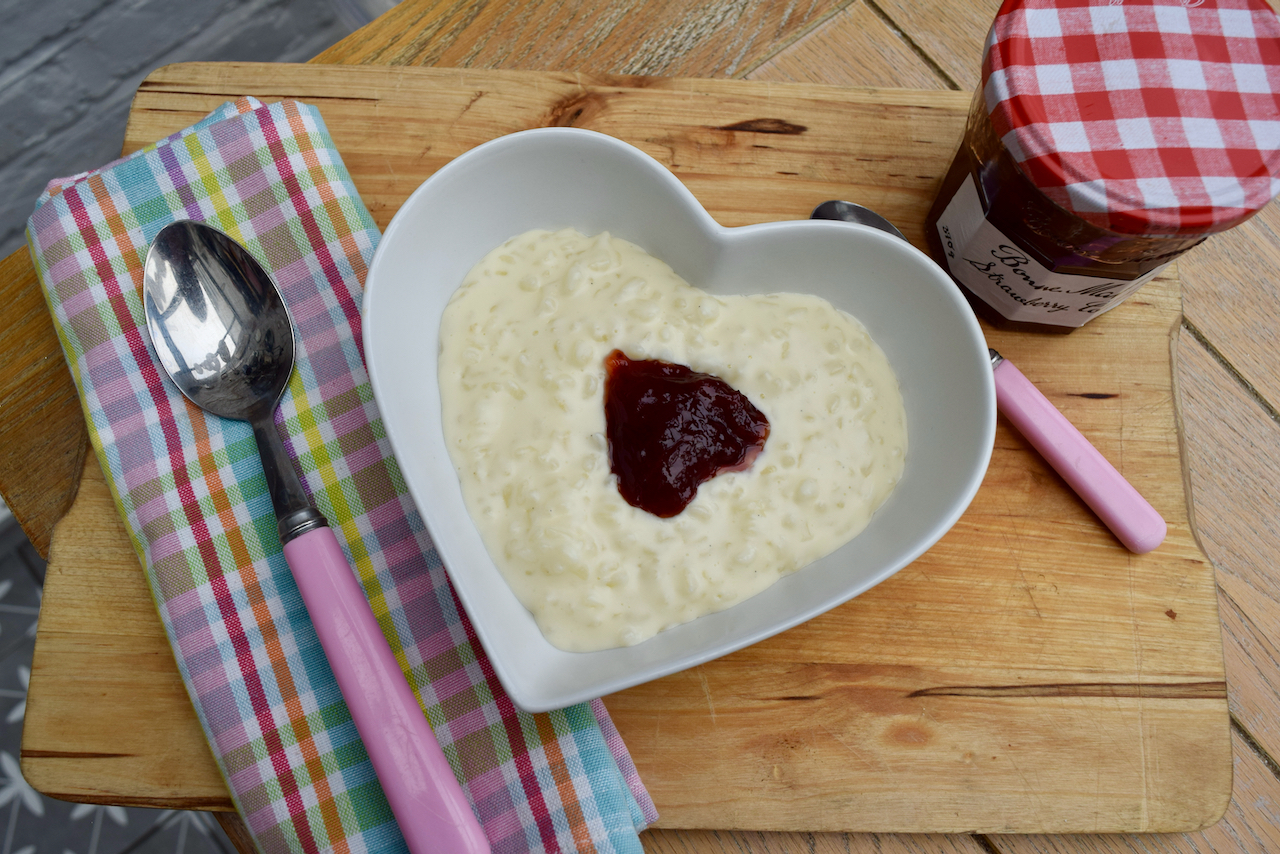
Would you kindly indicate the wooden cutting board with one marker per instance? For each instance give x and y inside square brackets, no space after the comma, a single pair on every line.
[1026,675]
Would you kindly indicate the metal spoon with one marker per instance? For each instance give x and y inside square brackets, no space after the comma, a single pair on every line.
[849,212]
[1118,504]
[222,332]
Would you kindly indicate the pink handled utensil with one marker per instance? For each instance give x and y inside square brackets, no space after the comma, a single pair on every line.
[1129,516]
[224,335]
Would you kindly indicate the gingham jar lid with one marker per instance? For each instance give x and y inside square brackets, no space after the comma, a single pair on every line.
[1141,116]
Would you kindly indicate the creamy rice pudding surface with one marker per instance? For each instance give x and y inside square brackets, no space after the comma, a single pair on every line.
[523,344]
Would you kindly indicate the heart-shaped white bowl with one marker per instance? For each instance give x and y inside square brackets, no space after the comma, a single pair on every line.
[558,177]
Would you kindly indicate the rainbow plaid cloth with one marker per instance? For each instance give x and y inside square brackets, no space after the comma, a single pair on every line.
[193,497]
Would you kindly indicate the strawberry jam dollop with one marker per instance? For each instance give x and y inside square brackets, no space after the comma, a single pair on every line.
[671,429]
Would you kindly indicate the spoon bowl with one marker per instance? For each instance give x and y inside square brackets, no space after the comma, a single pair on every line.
[849,212]
[218,323]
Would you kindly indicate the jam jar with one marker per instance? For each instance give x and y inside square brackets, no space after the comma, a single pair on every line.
[1107,138]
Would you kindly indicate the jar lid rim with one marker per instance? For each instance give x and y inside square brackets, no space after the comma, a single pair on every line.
[1155,116]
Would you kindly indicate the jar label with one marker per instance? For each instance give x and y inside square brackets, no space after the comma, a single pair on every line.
[995,269]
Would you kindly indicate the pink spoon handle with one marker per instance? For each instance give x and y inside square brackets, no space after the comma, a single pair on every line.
[1134,521]
[423,792]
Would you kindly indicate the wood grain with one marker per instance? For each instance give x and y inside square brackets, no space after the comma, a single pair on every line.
[854,47]
[707,38]
[728,842]
[1236,301]
[706,136]
[1251,825]
[1027,673]
[1233,475]
[950,34]
[42,435]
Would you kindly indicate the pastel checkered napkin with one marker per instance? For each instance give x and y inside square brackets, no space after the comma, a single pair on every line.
[192,494]
[1146,116]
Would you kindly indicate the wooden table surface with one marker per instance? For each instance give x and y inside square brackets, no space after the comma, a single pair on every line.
[1226,359]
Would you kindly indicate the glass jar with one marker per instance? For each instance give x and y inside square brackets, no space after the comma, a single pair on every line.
[1045,237]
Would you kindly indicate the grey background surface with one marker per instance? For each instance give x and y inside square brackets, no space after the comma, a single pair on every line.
[69,69]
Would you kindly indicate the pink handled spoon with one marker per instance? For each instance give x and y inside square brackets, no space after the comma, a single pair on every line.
[224,335]
[1129,516]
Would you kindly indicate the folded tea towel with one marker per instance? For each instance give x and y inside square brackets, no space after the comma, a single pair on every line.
[193,497]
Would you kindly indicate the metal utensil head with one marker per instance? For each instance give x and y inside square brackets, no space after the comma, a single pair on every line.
[849,212]
[217,321]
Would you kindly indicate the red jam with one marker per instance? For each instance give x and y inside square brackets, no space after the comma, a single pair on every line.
[671,429]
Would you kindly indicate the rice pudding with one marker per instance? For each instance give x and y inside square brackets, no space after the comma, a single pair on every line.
[522,373]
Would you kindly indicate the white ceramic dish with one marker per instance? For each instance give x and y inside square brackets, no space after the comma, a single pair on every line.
[557,177]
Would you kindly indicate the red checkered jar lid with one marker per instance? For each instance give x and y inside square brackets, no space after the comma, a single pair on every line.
[1149,117]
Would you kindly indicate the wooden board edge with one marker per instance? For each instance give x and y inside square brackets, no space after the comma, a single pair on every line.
[40,387]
